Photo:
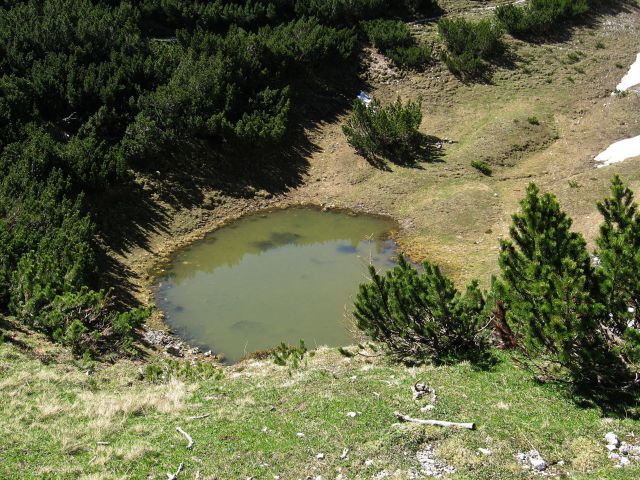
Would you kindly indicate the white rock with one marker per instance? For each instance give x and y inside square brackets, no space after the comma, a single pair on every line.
[427,408]
[624,461]
[352,414]
[611,447]
[538,463]
[345,452]
[300,435]
[485,451]
[612,439]
[368,462]
[625,448]
[320,456]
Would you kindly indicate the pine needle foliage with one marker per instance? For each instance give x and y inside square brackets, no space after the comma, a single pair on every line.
[618,270]
[548,285]
[470,45]
[539,17]
[573,320]
[421,317]
[389,132]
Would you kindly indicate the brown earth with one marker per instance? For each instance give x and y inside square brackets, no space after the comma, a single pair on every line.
[543,117]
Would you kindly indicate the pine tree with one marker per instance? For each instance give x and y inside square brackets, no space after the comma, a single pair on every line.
[547,282]
[421,317]
[618,256]
[618,270]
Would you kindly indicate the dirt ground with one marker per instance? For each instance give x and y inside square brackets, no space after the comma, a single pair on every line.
[543,117]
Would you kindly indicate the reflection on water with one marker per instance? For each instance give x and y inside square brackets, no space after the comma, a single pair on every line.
[283,276]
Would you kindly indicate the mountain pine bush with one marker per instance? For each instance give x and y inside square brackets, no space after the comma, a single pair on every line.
[421,317]
[539,17]
[389,132]
[574,321]
[469,45]
[395,40]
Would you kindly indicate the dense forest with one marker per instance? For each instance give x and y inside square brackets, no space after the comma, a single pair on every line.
[93,90]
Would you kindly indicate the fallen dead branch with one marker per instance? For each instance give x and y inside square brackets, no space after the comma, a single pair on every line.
[199,417]
[174,476]
[187,436]
[437,423]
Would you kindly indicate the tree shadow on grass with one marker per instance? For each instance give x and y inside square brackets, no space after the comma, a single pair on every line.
[612,403]
[430,149]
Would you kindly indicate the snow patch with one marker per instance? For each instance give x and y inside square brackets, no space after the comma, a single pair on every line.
[632,78]
[619,151]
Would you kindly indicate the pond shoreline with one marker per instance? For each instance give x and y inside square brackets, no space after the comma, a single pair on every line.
[150,267]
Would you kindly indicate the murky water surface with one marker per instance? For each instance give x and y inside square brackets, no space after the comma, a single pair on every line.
[282,276]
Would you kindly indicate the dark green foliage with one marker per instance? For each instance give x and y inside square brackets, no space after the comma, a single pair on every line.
[539,17]
[421,318]
[573,321]
[163,371]
[388,34]
[86,321]
[469,45]
[618,269]
[91,90]
[411,57]
[289,355]
[395,40]
[548,286]
[390,132]
[482,167]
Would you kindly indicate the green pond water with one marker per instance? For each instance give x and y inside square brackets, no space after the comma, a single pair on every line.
[278,277]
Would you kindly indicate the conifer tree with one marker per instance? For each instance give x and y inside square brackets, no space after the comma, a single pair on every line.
[547,282]
[618,271]
[618,256]
[421,317]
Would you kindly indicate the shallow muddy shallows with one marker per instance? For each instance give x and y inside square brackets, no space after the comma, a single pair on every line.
[278,277]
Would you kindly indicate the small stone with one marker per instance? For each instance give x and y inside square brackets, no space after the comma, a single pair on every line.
[612,439]
[427,408]
[625,448]
[300,435]
[611,447]
[345,453]
[320,456]
[368,462]
[624,461]
[614,456]
[174,349]
[538,463]
[352,414]
[485,451]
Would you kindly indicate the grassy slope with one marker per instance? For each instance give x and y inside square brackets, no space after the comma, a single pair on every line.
[452,214]
[52,414]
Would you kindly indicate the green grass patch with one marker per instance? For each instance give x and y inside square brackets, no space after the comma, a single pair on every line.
[58,421]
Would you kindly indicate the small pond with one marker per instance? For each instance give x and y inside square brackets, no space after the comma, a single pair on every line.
[281,276]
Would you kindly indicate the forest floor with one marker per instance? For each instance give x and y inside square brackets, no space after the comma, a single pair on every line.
[543,117]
